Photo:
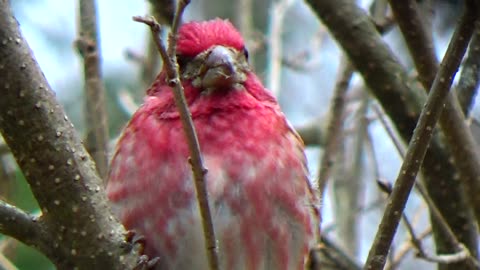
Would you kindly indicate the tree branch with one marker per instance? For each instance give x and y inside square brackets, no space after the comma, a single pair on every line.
[452,120]
[312,133]
[163,11]
[333,257]
[335,124]
[80,230]
[470,76]
[19,225]
[243,19]
[275,29]
[461,253]
[419,143]
[402,100]
[95,105]
[196,160]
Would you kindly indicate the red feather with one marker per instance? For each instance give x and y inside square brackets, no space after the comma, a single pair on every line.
[262,205]
[196,37]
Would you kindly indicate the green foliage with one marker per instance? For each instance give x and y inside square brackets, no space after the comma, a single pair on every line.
[22,256]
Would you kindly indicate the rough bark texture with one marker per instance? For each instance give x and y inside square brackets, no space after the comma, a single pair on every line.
[76,229]
[95,104]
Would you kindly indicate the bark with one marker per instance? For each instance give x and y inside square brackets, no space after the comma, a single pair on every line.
[389,83]
[76,229]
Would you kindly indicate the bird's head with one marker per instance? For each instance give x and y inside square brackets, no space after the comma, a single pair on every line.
[212,55]
[214,72]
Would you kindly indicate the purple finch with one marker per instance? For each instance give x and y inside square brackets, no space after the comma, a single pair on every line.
[263,208]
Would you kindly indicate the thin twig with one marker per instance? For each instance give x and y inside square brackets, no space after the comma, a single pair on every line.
[405,248]
[370,147]
[461,255]
[163,11]
[419,143]
[277,14]
[96,115]
[440,220]
[390,132]
[387,188]
[333,257]
[199,170]
[244,20]
[335,124]
[150,65]
[462,252]
[347,186]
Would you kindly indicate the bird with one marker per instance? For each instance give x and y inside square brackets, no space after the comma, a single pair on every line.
[264,209]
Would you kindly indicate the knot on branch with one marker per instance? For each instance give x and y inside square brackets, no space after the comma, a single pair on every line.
[85,46]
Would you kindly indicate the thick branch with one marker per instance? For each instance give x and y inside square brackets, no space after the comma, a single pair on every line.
[419,42]
[57,167]
[419,143]
[96,115]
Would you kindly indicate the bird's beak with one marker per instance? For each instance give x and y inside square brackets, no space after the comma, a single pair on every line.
[224,69]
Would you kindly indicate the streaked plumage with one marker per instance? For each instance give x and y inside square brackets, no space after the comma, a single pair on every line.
[263,208]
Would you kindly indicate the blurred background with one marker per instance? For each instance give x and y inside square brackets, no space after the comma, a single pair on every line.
[299,63]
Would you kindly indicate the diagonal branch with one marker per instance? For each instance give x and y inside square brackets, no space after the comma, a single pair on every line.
[435,212]
[19,225]
[420,141]
[452,120]
[80,230]
[402,100]
[335,124]
[469,81]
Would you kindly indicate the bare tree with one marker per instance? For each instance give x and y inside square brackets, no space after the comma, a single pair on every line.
[75,227]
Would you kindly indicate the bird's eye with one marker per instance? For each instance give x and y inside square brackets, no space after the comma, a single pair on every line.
[245,52]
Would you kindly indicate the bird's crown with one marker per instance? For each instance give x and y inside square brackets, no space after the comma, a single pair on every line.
[196,37]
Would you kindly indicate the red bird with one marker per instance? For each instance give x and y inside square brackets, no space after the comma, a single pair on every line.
[263,208]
